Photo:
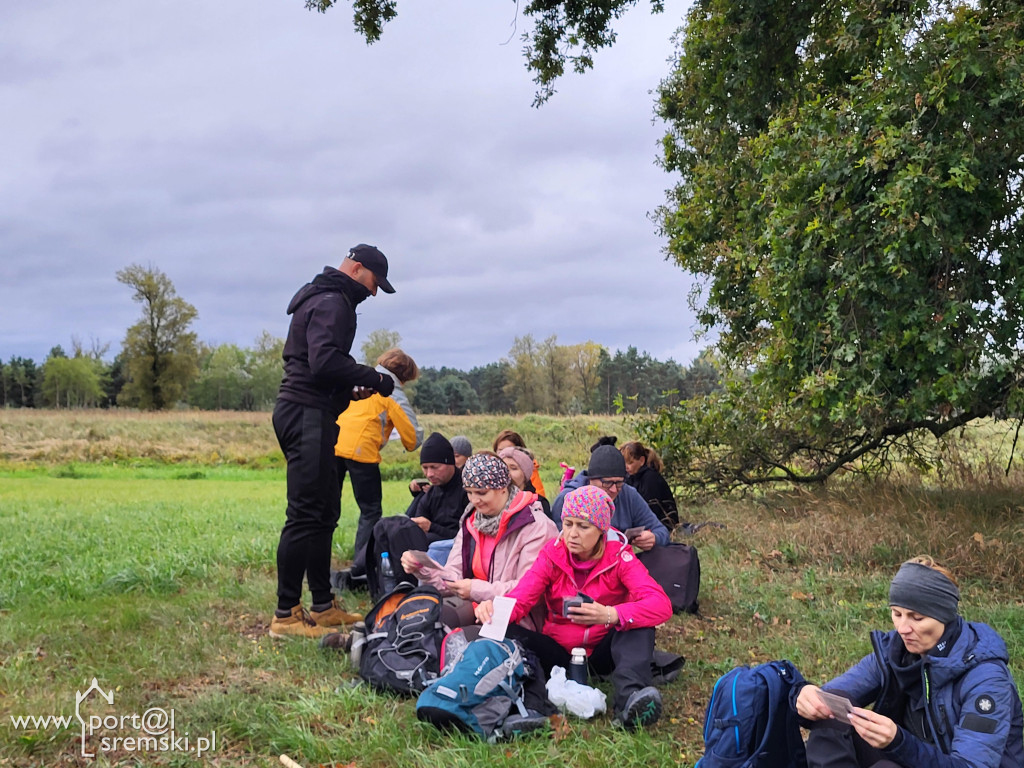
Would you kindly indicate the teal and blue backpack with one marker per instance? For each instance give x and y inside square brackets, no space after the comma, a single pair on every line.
[477,689]
[749,722]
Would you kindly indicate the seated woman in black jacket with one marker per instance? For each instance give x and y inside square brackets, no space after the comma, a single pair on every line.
[644,466]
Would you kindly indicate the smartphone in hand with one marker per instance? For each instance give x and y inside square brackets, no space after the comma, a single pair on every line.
[578,599]
[632,533]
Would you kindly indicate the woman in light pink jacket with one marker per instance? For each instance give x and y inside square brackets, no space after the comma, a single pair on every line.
[500,535]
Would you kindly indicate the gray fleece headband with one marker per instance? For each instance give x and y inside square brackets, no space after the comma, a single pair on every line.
[926,591]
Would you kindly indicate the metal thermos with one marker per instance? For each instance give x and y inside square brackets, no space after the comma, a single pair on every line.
[358,639]
[578,666]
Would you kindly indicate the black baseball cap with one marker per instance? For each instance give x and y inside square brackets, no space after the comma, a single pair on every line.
[375,261]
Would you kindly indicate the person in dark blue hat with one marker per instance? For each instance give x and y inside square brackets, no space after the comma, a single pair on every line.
[941,693]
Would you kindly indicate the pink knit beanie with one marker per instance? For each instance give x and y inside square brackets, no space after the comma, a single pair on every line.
[589,503]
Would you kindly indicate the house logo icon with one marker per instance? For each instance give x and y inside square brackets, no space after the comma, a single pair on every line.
[80,697]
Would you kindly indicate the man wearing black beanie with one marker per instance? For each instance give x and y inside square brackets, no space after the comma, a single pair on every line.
[437,450]
[607,470]
[436,509]
[439,508]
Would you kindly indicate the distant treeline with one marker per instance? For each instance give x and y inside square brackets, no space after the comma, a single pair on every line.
[552,378]
[536,377]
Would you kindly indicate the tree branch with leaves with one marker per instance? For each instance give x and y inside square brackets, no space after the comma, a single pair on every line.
[565,32]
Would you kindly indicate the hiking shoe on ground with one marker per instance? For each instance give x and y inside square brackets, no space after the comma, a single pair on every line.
[299,624]
[335,616]
[337,641]
[643,708]
[519,725]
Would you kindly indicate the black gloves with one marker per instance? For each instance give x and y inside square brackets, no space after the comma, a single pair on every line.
[385,386]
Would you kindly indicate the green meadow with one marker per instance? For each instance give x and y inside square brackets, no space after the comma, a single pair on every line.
[139,550]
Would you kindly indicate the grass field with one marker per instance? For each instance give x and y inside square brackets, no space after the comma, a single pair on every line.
[138,550]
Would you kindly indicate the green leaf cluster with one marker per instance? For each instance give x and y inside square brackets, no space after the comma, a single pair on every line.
[850,194]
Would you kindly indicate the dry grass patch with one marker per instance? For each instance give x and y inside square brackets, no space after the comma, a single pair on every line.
[56,437]
[35,437]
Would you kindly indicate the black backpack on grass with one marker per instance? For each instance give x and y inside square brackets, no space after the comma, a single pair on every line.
[393,535]
[404,633]
[676,567]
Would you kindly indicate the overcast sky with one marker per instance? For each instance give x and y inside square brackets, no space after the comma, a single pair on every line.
[241,145]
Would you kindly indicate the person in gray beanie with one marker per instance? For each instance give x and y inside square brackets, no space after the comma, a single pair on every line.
[607,470]
[940,691]
[463,450]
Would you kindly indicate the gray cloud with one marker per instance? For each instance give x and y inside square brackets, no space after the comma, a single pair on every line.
[240,146]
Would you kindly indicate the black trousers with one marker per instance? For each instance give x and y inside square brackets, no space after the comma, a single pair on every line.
[307,437]
[830,745]
[624,655]
[366,488]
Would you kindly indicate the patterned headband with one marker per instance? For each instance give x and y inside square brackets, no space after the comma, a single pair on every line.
[483,470]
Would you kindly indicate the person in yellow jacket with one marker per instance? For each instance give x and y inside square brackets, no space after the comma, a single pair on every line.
[365,427]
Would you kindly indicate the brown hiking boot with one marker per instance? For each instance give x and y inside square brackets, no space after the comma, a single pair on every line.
[299,624]
[335,616]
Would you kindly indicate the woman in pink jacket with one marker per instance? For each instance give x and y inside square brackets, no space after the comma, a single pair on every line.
[616,628]
[500,536]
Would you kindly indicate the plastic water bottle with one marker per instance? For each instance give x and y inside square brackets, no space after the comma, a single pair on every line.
[578,666]
[387,573]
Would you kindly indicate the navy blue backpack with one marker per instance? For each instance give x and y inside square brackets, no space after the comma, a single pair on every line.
[749,722]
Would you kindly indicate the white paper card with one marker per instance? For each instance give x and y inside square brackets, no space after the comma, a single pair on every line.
[423,559]
[495,628]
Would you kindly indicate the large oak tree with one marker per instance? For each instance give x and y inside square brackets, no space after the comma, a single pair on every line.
[851,194]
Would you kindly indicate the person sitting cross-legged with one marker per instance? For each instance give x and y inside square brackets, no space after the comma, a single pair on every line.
[616,629]
[436,511]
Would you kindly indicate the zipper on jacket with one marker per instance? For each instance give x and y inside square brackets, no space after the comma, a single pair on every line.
[930,715]
[506,532]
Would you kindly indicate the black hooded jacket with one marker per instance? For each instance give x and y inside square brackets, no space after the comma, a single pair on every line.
[318,369]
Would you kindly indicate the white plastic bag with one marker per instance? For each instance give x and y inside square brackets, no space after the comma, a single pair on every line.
[581,700]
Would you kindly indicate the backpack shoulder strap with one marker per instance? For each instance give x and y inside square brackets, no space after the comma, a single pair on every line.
[385,607]
[780,677]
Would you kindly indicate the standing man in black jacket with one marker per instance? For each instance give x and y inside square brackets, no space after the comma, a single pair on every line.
[320,378]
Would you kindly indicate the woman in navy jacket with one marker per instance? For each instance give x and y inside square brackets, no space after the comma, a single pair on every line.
[943,695]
